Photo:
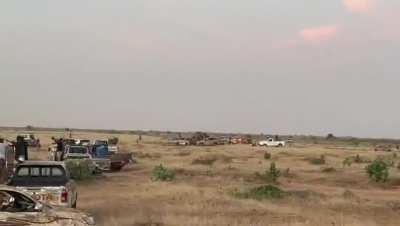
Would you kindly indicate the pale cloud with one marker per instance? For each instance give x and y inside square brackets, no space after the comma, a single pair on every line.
[319,34]
[358,6]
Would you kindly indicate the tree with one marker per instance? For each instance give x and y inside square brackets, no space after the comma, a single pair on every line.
[330,136]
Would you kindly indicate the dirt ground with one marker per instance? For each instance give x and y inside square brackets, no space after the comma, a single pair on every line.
[201,193]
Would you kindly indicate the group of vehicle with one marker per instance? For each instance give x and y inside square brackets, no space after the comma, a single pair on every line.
[38,193]
[105,156]
[211,141]
[44,192]
[206,140]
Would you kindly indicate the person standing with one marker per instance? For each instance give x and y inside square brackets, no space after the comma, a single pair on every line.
[21,148]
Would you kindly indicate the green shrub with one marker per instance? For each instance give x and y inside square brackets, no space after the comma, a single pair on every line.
[80,169]
[378,170]
[262,192]
[160,173]
[267,155]
[389,161]
[271,175]
[318,161]
[347,161]
[355,159]
[358,159]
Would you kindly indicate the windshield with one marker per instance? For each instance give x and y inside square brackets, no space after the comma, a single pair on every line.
[15,202]
[77,150]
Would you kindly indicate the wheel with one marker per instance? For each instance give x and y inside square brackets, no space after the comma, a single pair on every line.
[280,145]
[74,205]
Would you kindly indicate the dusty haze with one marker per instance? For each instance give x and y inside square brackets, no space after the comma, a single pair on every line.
[274,66]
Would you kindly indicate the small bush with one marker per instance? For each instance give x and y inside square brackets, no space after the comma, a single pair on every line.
[347,162]
[328,170]
[349,195]
[272,174]
[355,159]
[358,159]
[318,161]
[160,173]
[267,155]
[262,192]
[378,170]
[183,153]
[80,169]
[205,160]
[288,174]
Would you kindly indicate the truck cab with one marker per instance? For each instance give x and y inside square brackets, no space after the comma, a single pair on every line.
[270,142]
[46,181]
[77,152]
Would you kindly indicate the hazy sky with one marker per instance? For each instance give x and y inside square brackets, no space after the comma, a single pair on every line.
[271,66]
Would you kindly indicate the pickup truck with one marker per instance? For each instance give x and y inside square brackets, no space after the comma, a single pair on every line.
[270,142]
[20,208]
[210,141]
[178,142]
[108,160]
[46,181]
[79,152]
[76,152]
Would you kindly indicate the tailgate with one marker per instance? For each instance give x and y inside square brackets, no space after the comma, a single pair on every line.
[50,195]
[103,164]
[122,157]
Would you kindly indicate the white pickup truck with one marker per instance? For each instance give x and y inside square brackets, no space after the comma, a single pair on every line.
[47,181]
[270,142]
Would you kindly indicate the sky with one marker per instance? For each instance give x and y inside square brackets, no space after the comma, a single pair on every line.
[270,66]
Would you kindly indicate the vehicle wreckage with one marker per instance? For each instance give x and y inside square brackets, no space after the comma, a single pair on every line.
[18,208]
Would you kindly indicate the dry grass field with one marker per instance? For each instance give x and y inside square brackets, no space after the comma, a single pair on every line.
[201,193]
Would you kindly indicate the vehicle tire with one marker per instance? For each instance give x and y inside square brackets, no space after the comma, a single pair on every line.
[74,205]
[280,145]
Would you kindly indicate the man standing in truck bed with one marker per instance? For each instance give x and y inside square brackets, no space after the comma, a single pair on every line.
[21,148]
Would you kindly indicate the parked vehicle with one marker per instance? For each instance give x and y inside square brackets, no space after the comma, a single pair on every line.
[7,157]
[210,141]
[100,142]
[76,152]
[113,149]
[47,181]
[84,142]
[20,208]
[79,152]
[270,142]
[108,160]
[179,142]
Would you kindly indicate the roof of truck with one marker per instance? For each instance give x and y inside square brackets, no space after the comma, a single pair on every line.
[42,163]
